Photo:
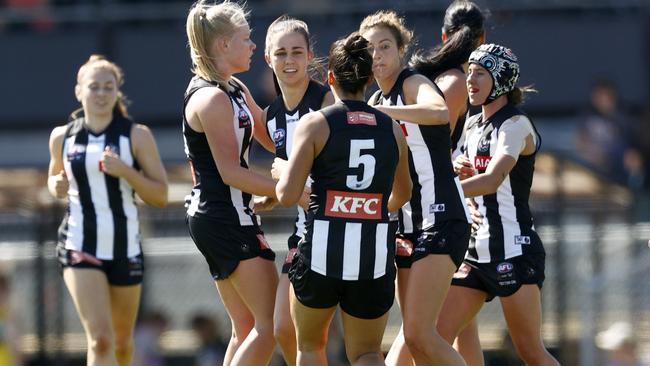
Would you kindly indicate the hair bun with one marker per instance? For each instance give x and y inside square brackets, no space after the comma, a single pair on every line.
[355,43]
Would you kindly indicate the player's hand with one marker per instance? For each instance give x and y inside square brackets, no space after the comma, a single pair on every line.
[475,214]
[277,168]
[463,167]
[111,164]
[61,184]
[261,204]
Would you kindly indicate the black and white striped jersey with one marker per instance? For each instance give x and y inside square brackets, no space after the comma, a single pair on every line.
[101,218]
[348,235]
[281,124]
[437,195]
[211,197]
[508,223]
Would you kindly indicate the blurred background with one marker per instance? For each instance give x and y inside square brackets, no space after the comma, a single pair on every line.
[591,194]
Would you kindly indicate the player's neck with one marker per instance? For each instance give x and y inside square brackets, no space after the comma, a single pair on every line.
[292,95]
[97,123]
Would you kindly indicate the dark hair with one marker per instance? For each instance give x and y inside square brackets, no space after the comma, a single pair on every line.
[463,25]
[351,63]
[394,23]
[517,95]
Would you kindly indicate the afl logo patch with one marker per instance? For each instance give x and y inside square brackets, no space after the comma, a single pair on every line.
[505,267]
[279,137]
[244,119]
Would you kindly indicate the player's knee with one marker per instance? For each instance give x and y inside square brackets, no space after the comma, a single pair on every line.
[101,344]
[530,353]
[284,332]
[123,344]
[415,337]
[368,359]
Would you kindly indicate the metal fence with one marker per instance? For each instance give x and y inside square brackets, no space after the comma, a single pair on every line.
[597,272]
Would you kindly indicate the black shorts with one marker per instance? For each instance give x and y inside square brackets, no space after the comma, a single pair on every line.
[448,237]
[404,249]
[224,246]
[501,278]
[292,244]
[365,299]
[119,272]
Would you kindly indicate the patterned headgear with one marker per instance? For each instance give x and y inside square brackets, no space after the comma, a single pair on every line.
[502,65]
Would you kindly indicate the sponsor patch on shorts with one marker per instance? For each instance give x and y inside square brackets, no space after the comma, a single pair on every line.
[522,240]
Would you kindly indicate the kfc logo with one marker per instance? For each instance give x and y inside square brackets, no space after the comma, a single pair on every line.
[353,205]
[361,118]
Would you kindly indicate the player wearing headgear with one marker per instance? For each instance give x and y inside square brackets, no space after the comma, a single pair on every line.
[506,257]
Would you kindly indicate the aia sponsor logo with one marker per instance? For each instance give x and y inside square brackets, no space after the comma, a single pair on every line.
[361,118]
[403,127]
[353,205]
[481,162]
[244,119]
[505,267]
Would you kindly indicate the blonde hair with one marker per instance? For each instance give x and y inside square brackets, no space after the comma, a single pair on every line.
[206,22]
[100,62]
[391,21]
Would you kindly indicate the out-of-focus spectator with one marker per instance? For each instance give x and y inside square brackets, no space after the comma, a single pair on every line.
[212,347]
[605,138]
[620,344]
[147,339]
[9,337]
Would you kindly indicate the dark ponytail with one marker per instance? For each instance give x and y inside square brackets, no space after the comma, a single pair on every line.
[463,25]
[351,63]
[518,95]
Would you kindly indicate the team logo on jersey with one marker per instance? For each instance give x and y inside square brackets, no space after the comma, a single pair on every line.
[436,207]
[244,119]
[505,267]
[484,144]
[522,240]
[361,118]
[76,152]
[353,205]
[279,136]
[481,162]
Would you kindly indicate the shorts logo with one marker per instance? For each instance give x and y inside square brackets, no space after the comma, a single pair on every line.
[244,119]
[436,207]
[278,137]
[361,118]
[522,240]
[505,267]
[481,162]
[353,205]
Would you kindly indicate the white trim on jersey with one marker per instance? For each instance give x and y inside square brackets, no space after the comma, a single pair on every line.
[236,195]
[351,251]
[128,202]
[75,221]
[507,210]
[319,241]
[381,250]
[195,200]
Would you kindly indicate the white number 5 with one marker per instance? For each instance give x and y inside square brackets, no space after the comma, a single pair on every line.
[357,160]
